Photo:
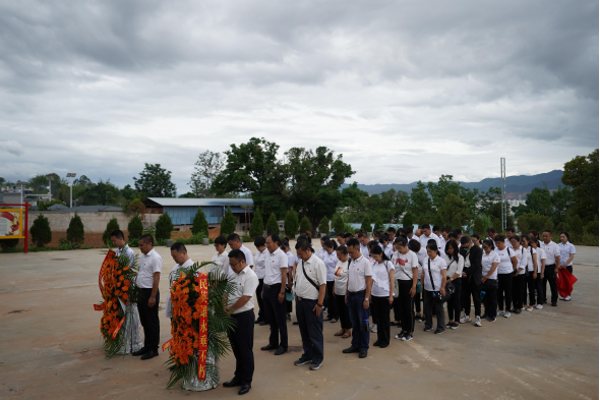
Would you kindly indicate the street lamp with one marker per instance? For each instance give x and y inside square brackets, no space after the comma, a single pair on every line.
[21,183]
[50,179]
[71,175]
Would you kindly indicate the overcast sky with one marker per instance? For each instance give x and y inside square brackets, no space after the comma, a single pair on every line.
[405,90]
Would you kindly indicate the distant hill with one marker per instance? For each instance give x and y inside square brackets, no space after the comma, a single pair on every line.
[514,184]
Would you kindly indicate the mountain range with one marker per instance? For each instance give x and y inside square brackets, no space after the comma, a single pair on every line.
[514,184]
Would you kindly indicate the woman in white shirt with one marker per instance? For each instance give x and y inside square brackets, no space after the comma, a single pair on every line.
[285,247]
[260,257]
[541,264]
[330,259]
[518,284]
[434,270]
[530,263]
[406,266]
[567,254]
[489,279]
[382,294]
[456,263]
[415,246]
[341,282]
[506,271]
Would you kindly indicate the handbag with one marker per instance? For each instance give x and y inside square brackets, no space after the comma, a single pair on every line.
[437,296]
[326,298]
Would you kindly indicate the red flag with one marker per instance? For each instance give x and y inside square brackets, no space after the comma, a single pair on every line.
[564,282]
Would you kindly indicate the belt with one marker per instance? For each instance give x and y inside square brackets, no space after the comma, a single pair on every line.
[356,293]
[305,299]
[551,265]
[242,313]
[273,285]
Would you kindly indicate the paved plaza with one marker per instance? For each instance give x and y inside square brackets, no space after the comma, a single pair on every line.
[51,346]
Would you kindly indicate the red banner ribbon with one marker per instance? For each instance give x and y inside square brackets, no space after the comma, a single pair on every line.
[109,257]
[202,307]
[167,345]
[118,328]
[98,307]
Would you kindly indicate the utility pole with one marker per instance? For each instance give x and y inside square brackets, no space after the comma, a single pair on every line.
[504,208]
[50,179]
[71,175]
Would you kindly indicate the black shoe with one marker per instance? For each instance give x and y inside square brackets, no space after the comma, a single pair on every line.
[232,383]
[301,361]
[393,323]
[350,349]
[295,323]
[258,321]
[280,350]
[384,345]
[268,347]
[517,311]
[427,329]
[438,331]
[262,323]
[553,304]
[484,316]
[362,353]
[289,318]
[377,343]
[150,354]
[140,352]
[244,389]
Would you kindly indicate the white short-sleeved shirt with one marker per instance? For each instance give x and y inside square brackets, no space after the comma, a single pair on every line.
[422,257]
[246,283]
[453,266]
[424,239]
[260,259]
[381,279]
[273,265]
[527,260]
[364,250]
[321,253]
[487,261]
[149,264]
[552,252]
[222,261]
[565,252]
[437,265]
[248,254]
[521,258]
[389,250]
[404,264]
[541,255]
[172,277]
[341,281]
[316,271]
[127,250]
[506,265]
[330,261]
[291,258]
[358,271]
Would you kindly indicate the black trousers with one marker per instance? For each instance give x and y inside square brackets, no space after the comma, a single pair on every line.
[504,291]
[275,313]
[311,330]
[531,286]
[405,306]
[417,301]
[455,304]
[261,303]
[241,338]
[429,306]
[149,320]
[550,277]
[340,300]
[490,300]
[332,308]
[471,290]
[380,307]
[517,291]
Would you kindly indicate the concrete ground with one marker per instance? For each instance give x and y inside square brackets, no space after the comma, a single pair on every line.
[51,346]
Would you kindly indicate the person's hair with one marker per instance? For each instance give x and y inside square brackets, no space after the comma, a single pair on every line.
[237,254]
[408,229]
[452,244]
[432,245]
[549,231]
[489,243]
[371,244]
[221,240]
[425,226]
[348,235]
[391,229]
[384,238]
[357,231]
[341,234]
[378,250]
[533,239]
[376,234]
[324,238]
[464,240]
[146,238]
[435,228]
[453,235]
[458,231]
[534,233]
[526,237]
[499,238]
[305,237]
[285,243]
[516,237]
[488,230]
[307,233]
[275,238]
[361,234]
[566,234]
[476,236]
[330,244]
[401,240]
[510,229]
[446,229]
[118,234]
[414,245]
[178,247]
[342,249]
[304,245]
[353,242]
[233,237]
[259,241]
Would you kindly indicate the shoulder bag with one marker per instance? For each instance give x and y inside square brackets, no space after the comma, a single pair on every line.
[315,286]
[437,296]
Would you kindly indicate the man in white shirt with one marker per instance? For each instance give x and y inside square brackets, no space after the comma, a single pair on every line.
[118,239]
[147,280]
[426,235]
[340,238]
[180,256]
[551,270]
[273,294]
[241,306]
[409,233]
[311,284]
[358,293]
[510,232]
[363,239]
[235,243]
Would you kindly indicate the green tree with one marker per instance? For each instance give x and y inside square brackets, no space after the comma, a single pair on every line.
[438,220]
[40,231]
[337,224]
[111,226]
[479,227]
[7,244]
[531,221]
[155,181]
[324,226]
[304,225]
[164,227]
[378,224]
[206,169]
[592,228]
[581,173]
[291,224]
[272,225]
[454,211]
[200,224]
[497,223]
[576,225]
[420,202]
[257,227]
[135,228]
[408,220]
[457,222]
[366,224]
[75,233]
[352,196]
[228,223]
[135,207]
[101,193]
[422,220]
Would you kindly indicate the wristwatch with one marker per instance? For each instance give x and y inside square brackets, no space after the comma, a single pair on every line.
[366,299]
[320,305]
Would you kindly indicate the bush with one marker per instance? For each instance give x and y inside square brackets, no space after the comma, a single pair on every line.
[272,225]
[479,227]
[576,225]
[291,224]
[305,225]
[110,227]
[200,224]
[408,220]
[497,225]
[257,227]
[8,245]
[134,242]
[378,224]
[422,219]
[366,224]
[135,227]
[245,239]
[438,220]
[164,227]
[592,228]
[531,221]
[324,226]
[337,224]
[228,223]
[40,231]
[75,235]
[590,240]
[63,244]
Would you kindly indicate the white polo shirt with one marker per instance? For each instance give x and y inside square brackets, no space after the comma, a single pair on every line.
[274,263]
[357,272]
[404,264]
[128,252]
[521,258]
[506,265]
[389,250]
[246,283]
[260,258]
[248,254]
[381,278]
[291,259]
[453,266]
[424,239]
[437,265]
[527,260]
[149,264]
[341,281]
[222,263]
[330,261]
[487,261]
[364,250]
[317,271]
[541,255]
[172,277]
[552,252]
[565,253]
[321,253]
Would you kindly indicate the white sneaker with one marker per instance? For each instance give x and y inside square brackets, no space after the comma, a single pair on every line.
[530,308]
[507,314]
[501,313]
[561,298]
[539,306]
[465,319]
[477,320]
[568,298]
[374,328]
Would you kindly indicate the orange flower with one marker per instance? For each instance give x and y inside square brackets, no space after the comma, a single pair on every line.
[126,282]
[114,306]
[126,268]
[121,277]
[125,296]
[118,284]
[125,288]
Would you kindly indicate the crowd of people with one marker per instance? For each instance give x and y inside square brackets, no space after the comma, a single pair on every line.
[361,282]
